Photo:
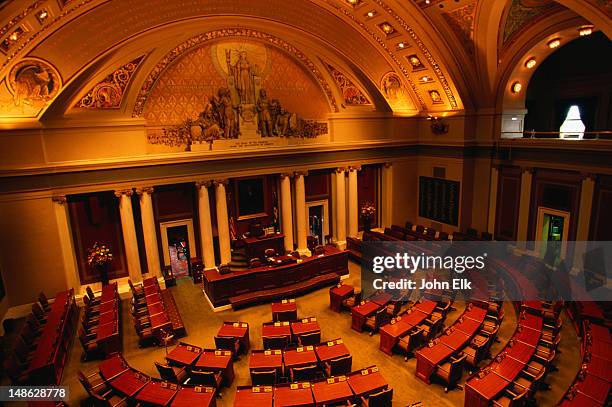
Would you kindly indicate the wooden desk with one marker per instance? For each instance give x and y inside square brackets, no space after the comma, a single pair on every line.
[594,387]
[218,361]
[338,294]
[305,326]
[332,390]
[293,395]
[112,367]
[129,383]
[367,381]
[256,246]
[286,310]
[276,329]
[361,312]
[480,391]
[508,368]
[302,356]
[194,396]
[391,333]
[239,330]
[429,357]
[331,350]
[256,396]
[157,393]
[108,339]
[184,354]
[266,360]
[265,283]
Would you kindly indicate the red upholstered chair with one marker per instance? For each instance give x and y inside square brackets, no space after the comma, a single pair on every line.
[511,399]
[450,372]
[353,300]
[377,320]
[339,366]
[172,374]
[383,398]
[310,338]
[475,353]
[303,373]
[263,377]
[408,343]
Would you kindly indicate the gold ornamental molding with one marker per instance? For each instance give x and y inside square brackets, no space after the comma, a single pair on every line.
[214,35]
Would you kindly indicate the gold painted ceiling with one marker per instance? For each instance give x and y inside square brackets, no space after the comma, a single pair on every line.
[436,57]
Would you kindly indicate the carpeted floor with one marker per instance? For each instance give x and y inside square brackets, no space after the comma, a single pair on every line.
[202,324]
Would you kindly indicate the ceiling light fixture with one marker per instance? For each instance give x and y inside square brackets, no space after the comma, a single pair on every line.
[585,30]
[401,45]
[371,13]
[14,36]
[552,44]
[516,87]
[425,78]
[531,62]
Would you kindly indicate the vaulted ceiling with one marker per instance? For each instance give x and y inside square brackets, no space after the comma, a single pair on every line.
[448,55]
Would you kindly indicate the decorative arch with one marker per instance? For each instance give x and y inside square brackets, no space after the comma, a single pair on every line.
[214,35]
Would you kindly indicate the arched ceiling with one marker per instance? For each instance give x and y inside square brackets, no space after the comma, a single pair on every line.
[461,50]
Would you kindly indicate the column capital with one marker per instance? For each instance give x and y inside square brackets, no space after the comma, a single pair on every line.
[120,192]
[284,175]
[204,183]
[60,199]
[302,173]
[588,176]
[144,190]
[527,169]
[340,169]
[220,182]
[388,164]
[355,168]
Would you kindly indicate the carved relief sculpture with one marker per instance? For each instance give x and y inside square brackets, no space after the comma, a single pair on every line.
[351,94]
[33,82]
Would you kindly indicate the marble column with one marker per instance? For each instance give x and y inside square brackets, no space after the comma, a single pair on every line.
[353,202]
[492,200]
[129,234]
[225,248]
[341,208]
[149,231]
[62,217]
[300,213]
[286,211]
[584,219]
[387,195]
[206,237]
[524,204]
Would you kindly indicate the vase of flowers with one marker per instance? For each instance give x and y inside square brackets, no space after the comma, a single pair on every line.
[368,210]
[99,258]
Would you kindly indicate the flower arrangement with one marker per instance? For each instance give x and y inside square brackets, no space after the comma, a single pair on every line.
[368,210]
[99,255]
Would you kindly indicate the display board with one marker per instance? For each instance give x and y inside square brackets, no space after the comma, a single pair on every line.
[439,200]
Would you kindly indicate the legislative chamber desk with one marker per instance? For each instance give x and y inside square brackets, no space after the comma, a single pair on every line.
[269,281]
[256,246]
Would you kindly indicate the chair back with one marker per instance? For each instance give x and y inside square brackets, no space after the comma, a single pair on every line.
[319,250]
[263,377]
[224,269]
[42,298]
[166,372]
[13,368]
[226,343]
[311,338]
[270,252]
[132,286]
[203,378]
[381,399]
[520,399]
[381,316]
[456,368]
[284,316]
[90,293]
[341,366]
[303,373]
[295,254]
[33,322]
[275,342]
[38,311]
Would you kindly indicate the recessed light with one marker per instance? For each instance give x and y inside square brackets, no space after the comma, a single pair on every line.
[585,30]
[531,62]
[401,45]
[14,36]
[554,43]
[516,87]
[386,28]
[425,78]
[353,2]
[371,13]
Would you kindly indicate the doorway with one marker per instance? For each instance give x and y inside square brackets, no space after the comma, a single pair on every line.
[178,245]
[318,223]
[178,250]
[552,230]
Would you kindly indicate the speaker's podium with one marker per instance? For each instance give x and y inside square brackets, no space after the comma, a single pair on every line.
[256,246]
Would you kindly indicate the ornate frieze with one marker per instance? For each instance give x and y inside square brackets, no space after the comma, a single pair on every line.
[351,94]
[108,93]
